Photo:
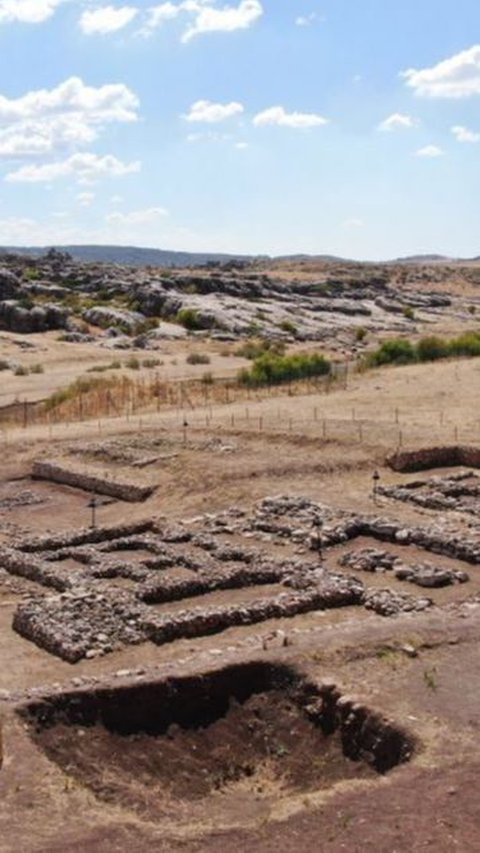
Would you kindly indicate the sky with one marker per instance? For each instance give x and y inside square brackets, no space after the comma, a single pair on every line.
[345,127]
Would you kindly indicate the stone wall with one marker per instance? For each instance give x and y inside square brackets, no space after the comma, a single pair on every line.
[91,482]
[434,457]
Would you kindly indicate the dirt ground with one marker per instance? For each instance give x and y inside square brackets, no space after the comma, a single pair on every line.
[74,788]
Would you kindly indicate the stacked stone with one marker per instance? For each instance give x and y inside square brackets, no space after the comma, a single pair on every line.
[85,536]
[369,560]
[385,602]
[45,470]
[40,571]
[159,590]
[427,575]
[200,621]
[81,624]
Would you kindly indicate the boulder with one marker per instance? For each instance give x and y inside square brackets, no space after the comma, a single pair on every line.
[14,317]
[128,321]
[10,284]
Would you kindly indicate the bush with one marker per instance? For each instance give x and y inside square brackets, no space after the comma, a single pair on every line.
[252,348]
[36,368]
[188,318]
[395,351]
[101,368]
[4,364]
[409,313]
[467,344]
[151,362]
[288,326]
[360,334]
[31,274]
[198,358]
[272,369]
[431,349]
[402,351]
[21,370]
[132,363]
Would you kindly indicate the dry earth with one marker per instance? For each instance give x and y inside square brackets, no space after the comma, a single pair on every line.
[333,729]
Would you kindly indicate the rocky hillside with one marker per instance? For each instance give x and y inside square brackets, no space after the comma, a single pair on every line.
[329,302]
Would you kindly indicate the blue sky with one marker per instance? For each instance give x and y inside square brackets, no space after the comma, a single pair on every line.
[349,127]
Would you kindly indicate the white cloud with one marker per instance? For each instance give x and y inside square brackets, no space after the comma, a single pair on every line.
[241,145]
[85,167]
[106,19]
[227,19]
[206,111]
[157,15]
[40,137]
[18,231]
[205,16]
[397,121]
[85,199]
[305,20]
[463,134]
[136,217]
[430,151]
[456,77]
[28,11]
[111,102]
[69,115]
[279,116]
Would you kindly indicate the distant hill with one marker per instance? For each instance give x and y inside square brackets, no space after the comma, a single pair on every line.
[324,259]
[425,259]
[134,256]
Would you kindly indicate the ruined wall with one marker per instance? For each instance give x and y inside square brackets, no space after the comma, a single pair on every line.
[91,482]
[434,457]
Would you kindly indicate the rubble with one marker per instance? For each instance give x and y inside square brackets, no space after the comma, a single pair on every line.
[165,563]
[387,602]
[458,492]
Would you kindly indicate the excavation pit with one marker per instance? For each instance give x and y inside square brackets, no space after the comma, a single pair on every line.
[222,747]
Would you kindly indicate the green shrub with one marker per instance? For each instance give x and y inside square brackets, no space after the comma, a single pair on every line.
[254,347]
[394,351]
[101,368]
[467,344]
[254,329]
[409,313]
[147,325]
[272,369]
[21,370]
[360,334]
[4,365]
[36,368]
[288,326]
[188,318]
[432,348]
[31,273]
[207,378]
[151,362]
[132,363]
[198,358]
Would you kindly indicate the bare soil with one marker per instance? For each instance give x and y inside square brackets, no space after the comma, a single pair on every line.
[259,776]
